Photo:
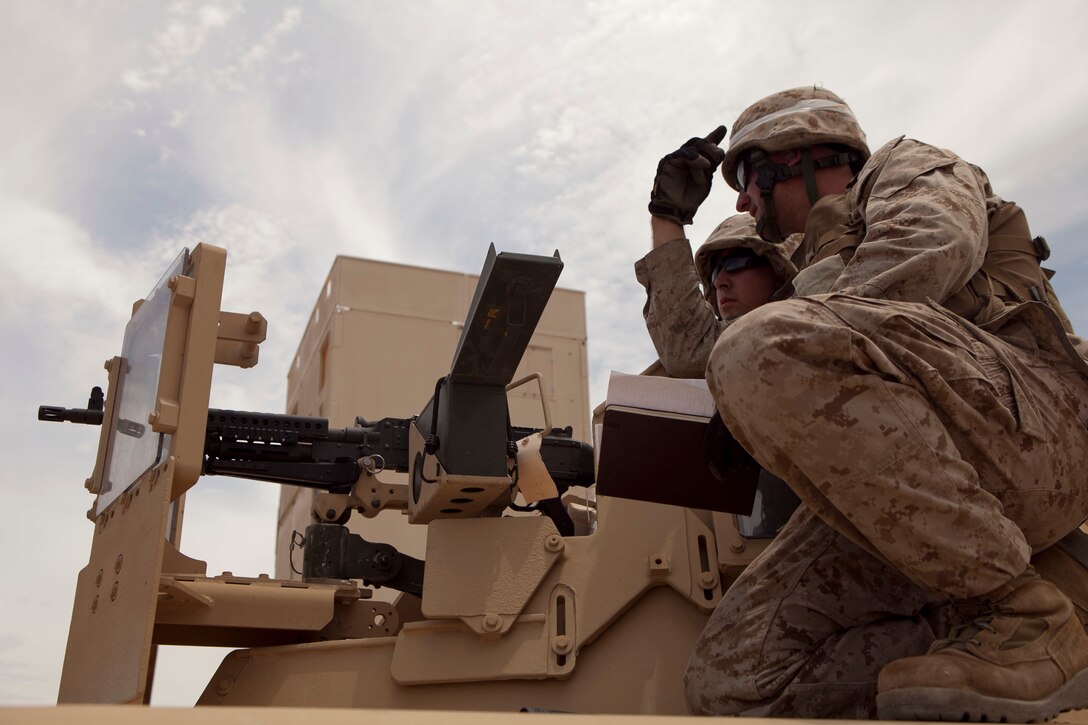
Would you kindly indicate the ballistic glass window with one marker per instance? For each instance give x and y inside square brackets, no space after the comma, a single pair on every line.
[133,447]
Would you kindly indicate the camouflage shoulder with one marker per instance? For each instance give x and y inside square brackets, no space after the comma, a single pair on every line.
[896,164]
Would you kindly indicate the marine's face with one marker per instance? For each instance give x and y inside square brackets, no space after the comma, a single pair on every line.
[743,284]
[791,202]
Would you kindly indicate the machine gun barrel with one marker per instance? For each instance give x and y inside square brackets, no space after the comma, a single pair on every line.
[300,450]
[91,415]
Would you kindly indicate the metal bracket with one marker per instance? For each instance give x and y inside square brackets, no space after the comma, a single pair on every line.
[239,338]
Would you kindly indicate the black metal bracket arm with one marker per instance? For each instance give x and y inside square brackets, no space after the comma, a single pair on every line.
[330,551]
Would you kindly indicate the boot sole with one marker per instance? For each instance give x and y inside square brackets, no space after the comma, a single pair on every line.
[939,703]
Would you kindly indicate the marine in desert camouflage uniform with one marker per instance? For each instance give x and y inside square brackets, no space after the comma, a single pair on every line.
[933,455]
[684,320]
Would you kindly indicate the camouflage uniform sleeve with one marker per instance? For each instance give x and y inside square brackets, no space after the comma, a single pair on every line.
[680,321]
[925,226]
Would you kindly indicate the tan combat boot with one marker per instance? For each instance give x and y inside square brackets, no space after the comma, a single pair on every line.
[1024,659]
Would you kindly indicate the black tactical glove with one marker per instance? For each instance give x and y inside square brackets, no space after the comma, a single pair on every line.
[683,177]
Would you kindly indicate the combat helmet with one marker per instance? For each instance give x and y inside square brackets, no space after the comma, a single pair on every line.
[796,118]
[739,232]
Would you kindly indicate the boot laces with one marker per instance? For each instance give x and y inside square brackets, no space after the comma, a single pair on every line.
[968,633]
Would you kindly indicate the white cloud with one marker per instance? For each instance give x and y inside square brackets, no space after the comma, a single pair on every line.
[215,16]
[50,258]
[260,51]
[183,35]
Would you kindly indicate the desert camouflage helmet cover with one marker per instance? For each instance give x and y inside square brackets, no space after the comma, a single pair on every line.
[737,232]
[799,117]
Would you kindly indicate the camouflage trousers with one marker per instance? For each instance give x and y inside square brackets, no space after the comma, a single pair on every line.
[932,459]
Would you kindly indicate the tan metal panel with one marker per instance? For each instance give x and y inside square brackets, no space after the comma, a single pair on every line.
[355,673]
[398,289]
[387,365]
[239,602]
[565,315]
[520,654]
[113,615]
[511,556]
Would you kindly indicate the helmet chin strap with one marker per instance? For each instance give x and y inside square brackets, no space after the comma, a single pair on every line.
[767,226]
[768,173]
[808,168]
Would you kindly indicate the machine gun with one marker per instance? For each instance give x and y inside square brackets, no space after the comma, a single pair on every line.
[304,451]
[461,452]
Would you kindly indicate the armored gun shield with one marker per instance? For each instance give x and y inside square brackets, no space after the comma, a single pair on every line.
[150,452]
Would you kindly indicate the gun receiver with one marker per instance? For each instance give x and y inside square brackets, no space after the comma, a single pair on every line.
[304,451]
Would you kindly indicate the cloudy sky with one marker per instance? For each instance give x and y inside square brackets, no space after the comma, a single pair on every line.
[418,132]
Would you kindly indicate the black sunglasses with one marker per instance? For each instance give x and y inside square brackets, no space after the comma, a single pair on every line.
[737,260]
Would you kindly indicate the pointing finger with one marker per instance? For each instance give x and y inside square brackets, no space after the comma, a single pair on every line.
[717,135]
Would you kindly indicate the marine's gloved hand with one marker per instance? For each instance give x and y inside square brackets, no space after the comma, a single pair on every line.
[683,177]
